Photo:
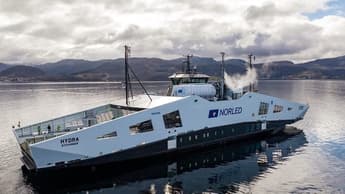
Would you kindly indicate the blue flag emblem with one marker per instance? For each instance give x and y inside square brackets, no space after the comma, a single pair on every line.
[213,113]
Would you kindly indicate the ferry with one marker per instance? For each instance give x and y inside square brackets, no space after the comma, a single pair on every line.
[195,112]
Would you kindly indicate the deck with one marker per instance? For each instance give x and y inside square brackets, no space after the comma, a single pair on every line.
[55,127]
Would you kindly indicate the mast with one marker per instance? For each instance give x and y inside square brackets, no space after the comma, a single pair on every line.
[250,57]
[128,84]
[222,77]
[188,69]
[127,51]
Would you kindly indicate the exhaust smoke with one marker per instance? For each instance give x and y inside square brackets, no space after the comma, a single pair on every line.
[239,81]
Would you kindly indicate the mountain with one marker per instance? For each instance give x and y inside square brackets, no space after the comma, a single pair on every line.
[278,70]
[69,66]
[327,63]
[233,66]
[329,68]
[146,68]
[22,73]
[160,69]
[3,66]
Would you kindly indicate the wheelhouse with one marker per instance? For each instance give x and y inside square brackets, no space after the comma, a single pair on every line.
[185,78]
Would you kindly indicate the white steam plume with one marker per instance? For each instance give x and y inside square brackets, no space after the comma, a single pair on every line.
[238,81]
[266,69]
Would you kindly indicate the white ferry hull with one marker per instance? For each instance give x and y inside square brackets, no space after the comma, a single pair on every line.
[201,123]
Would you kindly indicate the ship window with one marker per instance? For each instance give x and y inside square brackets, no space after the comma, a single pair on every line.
[289,108]
[142,127]
[263,108]
[185,80]
[108,135]
[199,80]
[277,108]
[175,81]
[172,120]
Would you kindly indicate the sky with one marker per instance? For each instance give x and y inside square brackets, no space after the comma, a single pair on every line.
[40,31]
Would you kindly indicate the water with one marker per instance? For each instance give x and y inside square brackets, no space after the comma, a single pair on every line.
[311,162]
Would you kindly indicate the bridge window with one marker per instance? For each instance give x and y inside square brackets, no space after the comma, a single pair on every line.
[277,108]
[142,127]
[108,135]
[263,108]
[175,81]
[172,120]
[198,80]
[186,80]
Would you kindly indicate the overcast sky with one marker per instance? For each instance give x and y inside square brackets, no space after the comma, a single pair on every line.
[38,31]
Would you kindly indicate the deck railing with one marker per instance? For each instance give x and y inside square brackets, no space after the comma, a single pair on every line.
[59,126]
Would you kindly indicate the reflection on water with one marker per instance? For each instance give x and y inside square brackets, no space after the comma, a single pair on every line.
[267,166]
[220,169]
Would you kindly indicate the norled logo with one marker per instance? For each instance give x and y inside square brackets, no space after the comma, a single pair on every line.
[224,112]
[69,141]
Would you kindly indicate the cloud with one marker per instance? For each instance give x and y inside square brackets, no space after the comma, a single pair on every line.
[267,11]
[37,31]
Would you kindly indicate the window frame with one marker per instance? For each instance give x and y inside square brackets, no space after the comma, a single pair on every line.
[278,108]
[263,108]
[171,122]
[134,129]
[110,135]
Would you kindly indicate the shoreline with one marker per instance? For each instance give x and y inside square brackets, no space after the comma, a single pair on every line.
[148,81]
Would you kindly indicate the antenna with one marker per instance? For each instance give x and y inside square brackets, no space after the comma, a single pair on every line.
[222,76]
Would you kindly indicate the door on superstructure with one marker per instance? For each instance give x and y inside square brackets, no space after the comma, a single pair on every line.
[263,125]
[172,143]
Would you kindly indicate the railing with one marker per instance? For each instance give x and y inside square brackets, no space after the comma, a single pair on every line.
[59,126]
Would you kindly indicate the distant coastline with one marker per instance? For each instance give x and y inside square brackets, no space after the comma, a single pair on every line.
[156,69]
[147,81]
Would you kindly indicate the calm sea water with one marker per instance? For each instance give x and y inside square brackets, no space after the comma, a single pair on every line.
[311,162]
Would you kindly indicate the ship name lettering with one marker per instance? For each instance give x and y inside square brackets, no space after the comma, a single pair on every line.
[230,111]
[69,141]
